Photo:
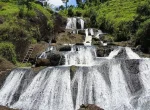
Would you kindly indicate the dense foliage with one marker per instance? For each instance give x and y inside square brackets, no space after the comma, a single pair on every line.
[24,22]
[7,51]
[123,19]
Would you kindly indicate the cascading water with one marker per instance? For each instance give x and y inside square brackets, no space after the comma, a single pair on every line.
[80,55]
[82,23]
[72,23]
[86,32]
[14,85]
[117,82]
[51,48]
[131,54]
[98,33]
[91,32]
[49,90]
[43,55]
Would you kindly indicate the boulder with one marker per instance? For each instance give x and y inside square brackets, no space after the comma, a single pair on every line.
[79,44]
[89,107]
[103,51]
[64,48]
[82,32]
[43,62]
[56,58]
[6,108]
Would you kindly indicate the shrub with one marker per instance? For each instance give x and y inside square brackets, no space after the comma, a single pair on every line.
[144,8]
[56,59]
[70,12]
[143,34]
[7,50]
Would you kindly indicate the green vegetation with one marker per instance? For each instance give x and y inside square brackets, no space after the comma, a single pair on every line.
[5,64]
[19,64]
[22,23]
[123,19]
[7,50]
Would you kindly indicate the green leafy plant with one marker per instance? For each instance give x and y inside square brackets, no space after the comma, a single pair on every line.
[7,50]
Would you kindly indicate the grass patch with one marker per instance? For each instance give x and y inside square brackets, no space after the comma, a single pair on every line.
[67,38]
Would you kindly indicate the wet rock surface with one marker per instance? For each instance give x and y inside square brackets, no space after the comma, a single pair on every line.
[103,51]
[89,107]
[6,108]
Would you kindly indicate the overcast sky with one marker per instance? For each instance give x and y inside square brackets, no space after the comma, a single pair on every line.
[59,2]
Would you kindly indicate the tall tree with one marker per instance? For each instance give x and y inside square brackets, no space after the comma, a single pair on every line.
[79,2]
[65,1]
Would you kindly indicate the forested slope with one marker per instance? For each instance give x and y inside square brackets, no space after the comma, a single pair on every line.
[23,23]
[123,19]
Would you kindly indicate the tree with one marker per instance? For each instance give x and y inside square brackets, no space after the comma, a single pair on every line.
[65,1]
[27,3]
[79,1]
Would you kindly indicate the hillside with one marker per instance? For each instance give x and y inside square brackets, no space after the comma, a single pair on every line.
[124,20]
[22,25]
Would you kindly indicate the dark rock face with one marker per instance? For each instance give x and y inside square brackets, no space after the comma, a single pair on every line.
[6,108]
[79,44]
[131,72]
[3,76]
[82,32]
[56,59]
[65,48]
[26,80]
[89,107]
[42,62]
[103,51]
[122,54]
[60,23]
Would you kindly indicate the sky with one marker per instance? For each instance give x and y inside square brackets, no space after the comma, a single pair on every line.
[59,2]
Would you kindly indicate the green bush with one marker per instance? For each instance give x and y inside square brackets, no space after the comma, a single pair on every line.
[31,13]
[70,12]
[144,8]
[143,34]
[7,50]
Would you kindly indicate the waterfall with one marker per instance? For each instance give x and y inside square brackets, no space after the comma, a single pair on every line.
[131,54]
[71,23]
[82,23]
[117,82]
[123,52]
[82,55]
[98,34]
[86,32]
[49,90]
[91,32]
[43,55]
[144,100]
[114,53]
[51,48]
[89,86]
[13,85]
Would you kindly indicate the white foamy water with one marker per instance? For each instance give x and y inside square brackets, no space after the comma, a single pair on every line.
[89,87]
[82,23]
[72,23]
[49,90]
[114,53]
[11,86]
[43,55]
[131,54]
[113,84]
[120,99]
[91,32]
[144,100]
[81,55]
